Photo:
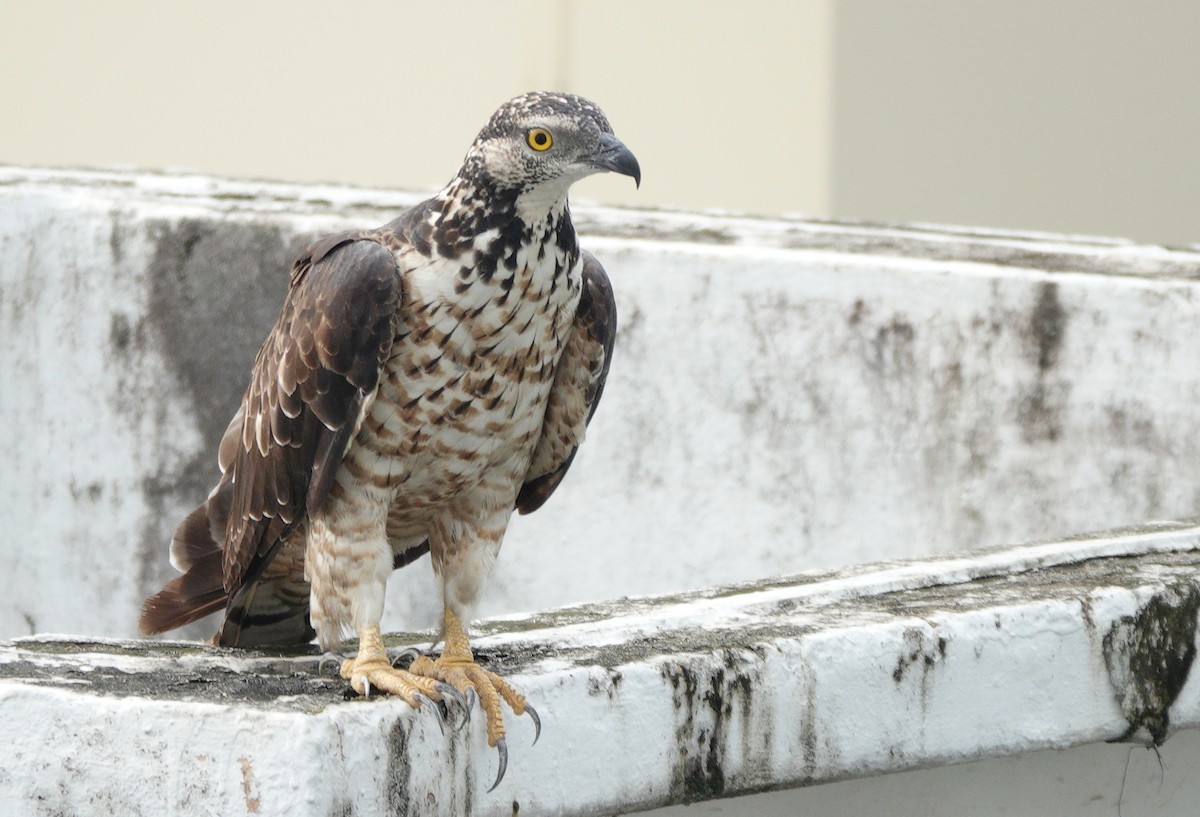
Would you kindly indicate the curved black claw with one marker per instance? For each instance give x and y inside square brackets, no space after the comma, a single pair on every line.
[413,651]
[448,691]
[326,658]
[537,723]
[437,710]
[471,699]
[502,748]
[449,694]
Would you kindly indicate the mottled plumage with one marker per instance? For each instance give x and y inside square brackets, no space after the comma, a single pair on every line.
[424,380]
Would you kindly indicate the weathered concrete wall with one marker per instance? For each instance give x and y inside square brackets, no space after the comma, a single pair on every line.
[762,687]
[786,394]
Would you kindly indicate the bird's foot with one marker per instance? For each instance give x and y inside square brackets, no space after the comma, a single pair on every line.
[472,680]
[378,675]
[371,670]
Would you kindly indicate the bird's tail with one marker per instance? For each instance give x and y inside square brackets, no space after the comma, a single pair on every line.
[200,589]
[268,611]
[271,610]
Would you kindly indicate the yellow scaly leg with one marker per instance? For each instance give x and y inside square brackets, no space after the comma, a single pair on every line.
[457,667]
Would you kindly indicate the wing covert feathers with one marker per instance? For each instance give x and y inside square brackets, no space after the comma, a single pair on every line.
[278,457]
[319,363]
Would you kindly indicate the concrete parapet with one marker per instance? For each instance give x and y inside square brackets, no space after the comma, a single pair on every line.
[646,702]
[894,406]
[787,394]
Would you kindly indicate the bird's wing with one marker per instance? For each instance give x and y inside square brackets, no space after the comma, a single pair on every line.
[313,378]
[578,385]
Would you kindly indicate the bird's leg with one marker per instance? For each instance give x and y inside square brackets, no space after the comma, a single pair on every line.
[371,669]
[456,666]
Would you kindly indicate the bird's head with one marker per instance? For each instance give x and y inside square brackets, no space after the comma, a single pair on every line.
[540,143]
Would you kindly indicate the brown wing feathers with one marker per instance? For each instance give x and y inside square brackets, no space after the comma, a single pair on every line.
[328,347]
[322,358]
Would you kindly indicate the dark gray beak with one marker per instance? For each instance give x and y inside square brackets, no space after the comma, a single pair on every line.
[613,155]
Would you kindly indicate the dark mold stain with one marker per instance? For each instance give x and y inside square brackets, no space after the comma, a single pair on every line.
[697,773]
[116,231]
[92,492]
[459,762]
[861,310]
[1132,423]
[918,652]
[887,348]
[808,724]
[214,296]
[1040,408]
[1039,413]
[608,686]
[1048,326]
[707,700]
[120,333]
[399,770]
[1149,657]
[892,346]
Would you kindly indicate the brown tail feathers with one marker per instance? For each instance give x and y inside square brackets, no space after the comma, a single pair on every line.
[200,590]
[269,611]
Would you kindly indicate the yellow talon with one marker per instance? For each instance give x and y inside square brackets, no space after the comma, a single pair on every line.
[371,668]
[454,674]
[456,666]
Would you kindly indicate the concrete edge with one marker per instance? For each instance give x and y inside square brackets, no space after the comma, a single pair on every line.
[736,690]
[1029,250]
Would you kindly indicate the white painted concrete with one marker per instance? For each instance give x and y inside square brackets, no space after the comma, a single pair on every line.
[1098,780]
[650,702]
[786,394]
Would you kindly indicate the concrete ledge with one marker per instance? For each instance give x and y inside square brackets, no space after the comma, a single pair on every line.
[647,702]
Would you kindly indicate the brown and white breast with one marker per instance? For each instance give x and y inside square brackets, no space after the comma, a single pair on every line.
[461,404]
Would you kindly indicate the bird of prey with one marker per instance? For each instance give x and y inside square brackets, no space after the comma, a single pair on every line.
[424,380]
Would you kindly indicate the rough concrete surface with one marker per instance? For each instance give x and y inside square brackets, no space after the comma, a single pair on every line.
[786,394]
[649,702]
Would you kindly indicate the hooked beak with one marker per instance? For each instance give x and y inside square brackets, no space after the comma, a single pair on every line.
[613,155]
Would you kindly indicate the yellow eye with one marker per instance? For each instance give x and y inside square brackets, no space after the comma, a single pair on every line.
[539,139]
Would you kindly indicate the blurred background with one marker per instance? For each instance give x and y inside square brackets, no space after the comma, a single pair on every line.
[1077,116]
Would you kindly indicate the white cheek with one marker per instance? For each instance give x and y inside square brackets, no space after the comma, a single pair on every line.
[504,161]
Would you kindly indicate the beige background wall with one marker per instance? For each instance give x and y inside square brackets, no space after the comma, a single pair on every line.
[1072,115]
[1063,115]
[724,104]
